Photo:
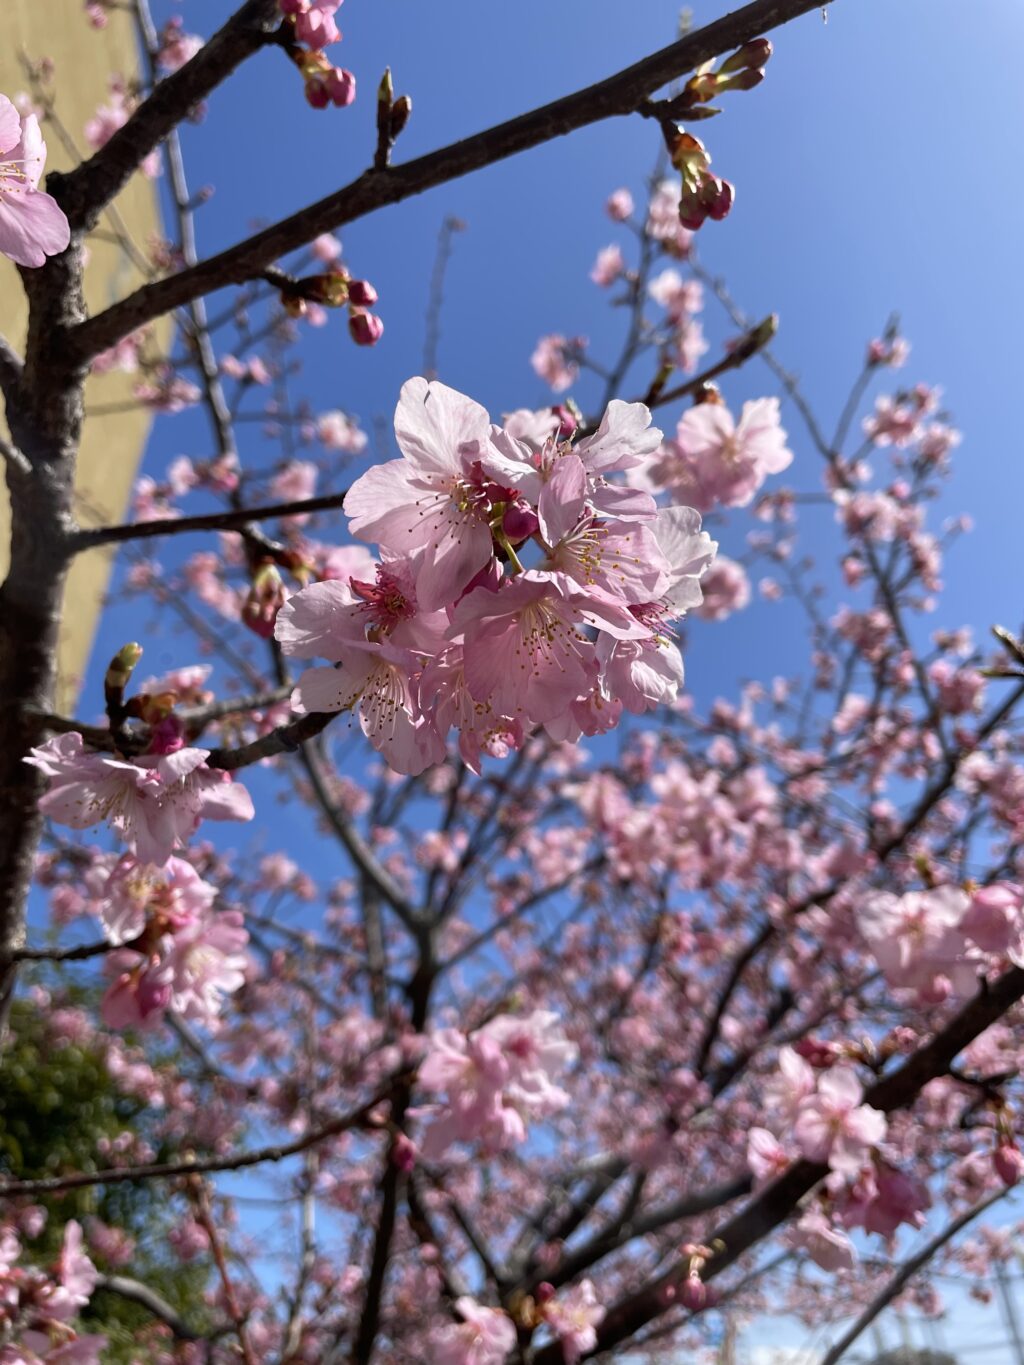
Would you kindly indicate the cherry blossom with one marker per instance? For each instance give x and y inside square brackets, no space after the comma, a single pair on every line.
[485,1336]
[32,224]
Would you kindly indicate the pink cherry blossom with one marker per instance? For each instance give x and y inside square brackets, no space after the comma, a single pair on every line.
[430,499]
[725,588]
[608,266]
[554,359]
[832,1125]
[828,1246]
[716,460]
[918,943]
[32,224]
[154,804]
[574,1318]
[485,1336]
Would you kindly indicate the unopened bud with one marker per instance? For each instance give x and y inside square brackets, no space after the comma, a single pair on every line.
[544,1292]
[362,293]
[400,111]
[264,600]
[519,522]
[694,1293]
[717,197]
[752,56]
[366,329]
[330,289]
[748,79]
[1008,1161]
[689,157]
[568,419]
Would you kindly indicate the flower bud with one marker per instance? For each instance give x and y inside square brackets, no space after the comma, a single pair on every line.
[544,1292]
[752,56]
[366,329]
[743,80]
[362,293]
[717,197]
[519,522]
[694,1293]
[400,111]
[568,420]
[264,600]
[1008,1161]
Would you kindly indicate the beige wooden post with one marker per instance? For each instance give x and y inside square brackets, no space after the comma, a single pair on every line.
[112,446]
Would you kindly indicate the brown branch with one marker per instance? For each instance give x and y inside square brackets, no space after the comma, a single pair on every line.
[231,1161]
[234,520]
[10,370]
[907,1271]
[91,186]
[777,1201]
[286,739]
[617,96]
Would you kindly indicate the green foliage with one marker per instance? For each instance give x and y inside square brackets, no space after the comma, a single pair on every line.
[59,1102]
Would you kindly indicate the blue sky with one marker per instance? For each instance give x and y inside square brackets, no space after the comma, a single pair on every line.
[874,170]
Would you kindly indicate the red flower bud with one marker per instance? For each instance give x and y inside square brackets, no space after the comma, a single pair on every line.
[362,293]
[1008,1161]
[519,522]
[366,328]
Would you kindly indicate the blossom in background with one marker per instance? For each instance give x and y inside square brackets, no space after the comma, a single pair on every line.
[555,360]
[574,1318]
[32,223]
[485,1336]
[714,459]
[492,1079]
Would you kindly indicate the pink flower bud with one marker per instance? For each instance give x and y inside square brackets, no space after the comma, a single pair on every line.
[519,522]
[717,197]
[567,423]
[694,1293]
[1008,1161]
[362,293]
[366,328]
[544,1292]
[403,1153]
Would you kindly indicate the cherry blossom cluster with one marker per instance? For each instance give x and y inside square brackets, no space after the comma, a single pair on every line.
[172,949]
[936,943]
[38,1308]
[459,626]
[492,1080]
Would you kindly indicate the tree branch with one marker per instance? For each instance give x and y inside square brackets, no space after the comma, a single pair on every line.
[137,1292]
[906,1272]
[617,96]
[90,187]
[777,1201]
[231,1161]
[233,520]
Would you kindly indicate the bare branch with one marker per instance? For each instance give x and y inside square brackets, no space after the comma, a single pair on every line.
[10,370]
[137,1292]
[234,520]
[617,96]
[231,1161]
[92,185]
[286,739]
